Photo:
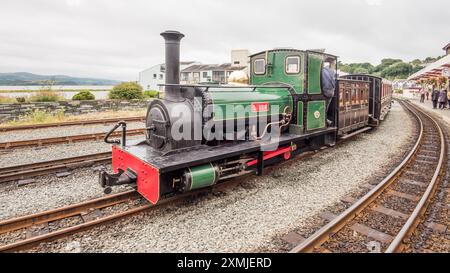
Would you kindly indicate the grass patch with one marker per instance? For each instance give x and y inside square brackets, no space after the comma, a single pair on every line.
[46,96]
[37,117]
[41,117]
[4,99]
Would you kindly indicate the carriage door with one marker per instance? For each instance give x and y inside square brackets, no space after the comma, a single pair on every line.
[316,105]
[342,104]
[348,105]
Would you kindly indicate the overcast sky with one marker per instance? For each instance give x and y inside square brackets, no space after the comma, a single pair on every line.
[116,39]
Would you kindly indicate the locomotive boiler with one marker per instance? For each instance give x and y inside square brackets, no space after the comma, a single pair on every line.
[199,135]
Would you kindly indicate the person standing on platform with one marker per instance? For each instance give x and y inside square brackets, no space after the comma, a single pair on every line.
[448,97]
[422,95]
[434,98]
[428,94]
[442,99]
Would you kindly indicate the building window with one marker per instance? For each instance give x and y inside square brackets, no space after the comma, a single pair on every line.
[160,76]
[184,76]
[154,76]
[196,77]
[218,76]
[236,62]
[205,74]
[292,64]
[260,66]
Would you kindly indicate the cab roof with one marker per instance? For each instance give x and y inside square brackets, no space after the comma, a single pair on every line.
[291,50]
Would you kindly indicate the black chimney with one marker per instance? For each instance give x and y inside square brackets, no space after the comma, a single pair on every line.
[172,39]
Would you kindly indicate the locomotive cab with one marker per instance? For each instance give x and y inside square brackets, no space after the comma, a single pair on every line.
[310,74]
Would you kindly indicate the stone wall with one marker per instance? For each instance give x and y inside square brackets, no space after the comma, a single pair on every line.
[11,111]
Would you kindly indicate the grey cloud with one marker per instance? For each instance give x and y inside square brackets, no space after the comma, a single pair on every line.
[116,39]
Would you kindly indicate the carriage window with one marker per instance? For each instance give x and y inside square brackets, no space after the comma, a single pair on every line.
[292,64]
[260,66]
[353,96]
[347,97]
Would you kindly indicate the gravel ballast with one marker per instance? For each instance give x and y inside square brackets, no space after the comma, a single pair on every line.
[248,216]
[49,192]
[62,131]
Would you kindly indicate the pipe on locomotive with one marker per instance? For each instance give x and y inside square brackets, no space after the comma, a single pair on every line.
[172,40]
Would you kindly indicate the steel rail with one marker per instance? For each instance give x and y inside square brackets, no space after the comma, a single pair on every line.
[63,139]
[64,232]
[67,123]
[64,212]
[17,172]
[413,221]
[324,233]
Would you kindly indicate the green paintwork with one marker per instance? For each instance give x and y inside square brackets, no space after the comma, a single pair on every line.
[314,72]
[226,100]
[275,72]
[300,113]
[314,122]
[202,176]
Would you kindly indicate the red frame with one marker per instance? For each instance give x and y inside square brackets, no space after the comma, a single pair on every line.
[286,151]
[147,175]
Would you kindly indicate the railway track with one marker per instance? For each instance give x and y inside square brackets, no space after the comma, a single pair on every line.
[64,139]
[25,232]
[89,213]
[384,218]
[53,166]
[68,123]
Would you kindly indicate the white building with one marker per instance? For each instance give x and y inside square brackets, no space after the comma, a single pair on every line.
[204,73]
[216,73]
[195,72]
[151,77]
[239,57]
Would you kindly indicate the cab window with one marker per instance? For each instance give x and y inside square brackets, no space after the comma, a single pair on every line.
[292,64]
[330,64]
[260,66]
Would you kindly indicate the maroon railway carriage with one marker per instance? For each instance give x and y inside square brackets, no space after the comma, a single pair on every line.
[380,96]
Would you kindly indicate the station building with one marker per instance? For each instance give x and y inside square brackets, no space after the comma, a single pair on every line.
[440,67]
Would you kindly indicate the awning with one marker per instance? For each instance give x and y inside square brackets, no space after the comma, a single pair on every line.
[432,70]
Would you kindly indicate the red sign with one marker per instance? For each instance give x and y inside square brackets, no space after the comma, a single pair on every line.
[260,107]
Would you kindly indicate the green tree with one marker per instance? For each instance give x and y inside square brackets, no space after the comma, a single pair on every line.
[126,91]
[361,70]
[84,95]
[151,94]
[386,63]
[397,71]
[416,62]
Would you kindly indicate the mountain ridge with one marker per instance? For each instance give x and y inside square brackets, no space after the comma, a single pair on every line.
[27,78]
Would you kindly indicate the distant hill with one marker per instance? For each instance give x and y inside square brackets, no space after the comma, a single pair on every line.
[25,78]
